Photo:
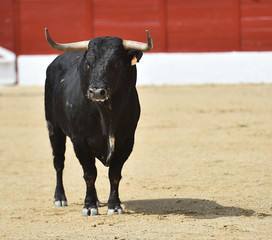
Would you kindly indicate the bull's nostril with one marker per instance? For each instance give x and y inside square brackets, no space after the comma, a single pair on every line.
[99,94]
[102,92]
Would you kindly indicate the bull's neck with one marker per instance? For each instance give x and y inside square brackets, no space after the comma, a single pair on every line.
[106,118]
[112,110]
[107,130]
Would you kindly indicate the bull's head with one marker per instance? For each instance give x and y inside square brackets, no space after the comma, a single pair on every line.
[106,62]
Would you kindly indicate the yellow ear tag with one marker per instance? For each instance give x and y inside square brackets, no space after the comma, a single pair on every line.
[133,61]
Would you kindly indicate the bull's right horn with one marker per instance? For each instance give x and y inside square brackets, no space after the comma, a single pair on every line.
[145,47]
[66,47]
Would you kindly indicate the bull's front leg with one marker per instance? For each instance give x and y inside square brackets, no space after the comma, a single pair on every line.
[120,156]
[114,203]
[90,173]
[91,200]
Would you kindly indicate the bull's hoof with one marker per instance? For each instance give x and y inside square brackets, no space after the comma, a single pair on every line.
[92,211]
[117,210]
[61,203]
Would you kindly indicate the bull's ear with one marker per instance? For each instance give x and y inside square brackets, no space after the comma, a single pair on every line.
[134,56]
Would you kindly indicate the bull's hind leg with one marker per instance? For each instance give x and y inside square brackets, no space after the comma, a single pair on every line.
[87,162]
[58,140]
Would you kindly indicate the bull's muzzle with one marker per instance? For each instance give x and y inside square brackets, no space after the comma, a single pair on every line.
[98,94]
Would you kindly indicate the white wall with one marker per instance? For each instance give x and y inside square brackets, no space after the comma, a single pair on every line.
[7,67]
[203,68]
[175,68]
[32,69]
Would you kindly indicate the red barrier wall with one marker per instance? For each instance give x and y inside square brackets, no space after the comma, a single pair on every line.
[197,25]
[256,25]
[7,24]
[175,25]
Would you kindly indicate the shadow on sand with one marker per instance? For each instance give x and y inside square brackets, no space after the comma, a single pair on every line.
[195,208]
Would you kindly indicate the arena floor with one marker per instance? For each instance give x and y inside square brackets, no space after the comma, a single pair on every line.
[201,169]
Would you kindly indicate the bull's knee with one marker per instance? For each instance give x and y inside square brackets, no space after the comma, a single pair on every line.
[50,128]
[90,180]
[59,162]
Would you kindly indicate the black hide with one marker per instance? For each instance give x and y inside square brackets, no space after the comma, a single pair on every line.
[101,129]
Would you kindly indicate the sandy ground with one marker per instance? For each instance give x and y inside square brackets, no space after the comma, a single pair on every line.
[201,169]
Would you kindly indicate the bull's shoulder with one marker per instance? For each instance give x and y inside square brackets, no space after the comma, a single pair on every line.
[63,63]
[60,67]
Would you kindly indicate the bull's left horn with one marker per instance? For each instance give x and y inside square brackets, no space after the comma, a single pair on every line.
[66,47]
[145,47]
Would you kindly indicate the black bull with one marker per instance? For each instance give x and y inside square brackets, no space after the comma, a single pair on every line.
[90,96]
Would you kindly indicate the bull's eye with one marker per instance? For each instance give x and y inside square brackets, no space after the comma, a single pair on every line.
[117,64]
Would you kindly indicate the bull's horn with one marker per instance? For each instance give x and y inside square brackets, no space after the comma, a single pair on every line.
[145,47]
[67,47]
